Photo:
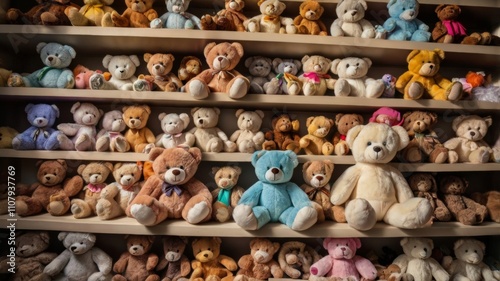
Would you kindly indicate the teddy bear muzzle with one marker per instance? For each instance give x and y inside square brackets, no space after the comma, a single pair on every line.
[274,174]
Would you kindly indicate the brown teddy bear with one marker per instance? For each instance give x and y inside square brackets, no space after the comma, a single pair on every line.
[424,185]
[490,199]
[285,134]
[392,273]
[189,67]
[159,67]
[315,143]
[308,21]
[295,259]
[462,208]
[259,264]
[137,263]
[52,192]
[140,138]
[344,122]
[209,264]
[47,12]
[231,18]
[174,261]
[139,13]
[227,194]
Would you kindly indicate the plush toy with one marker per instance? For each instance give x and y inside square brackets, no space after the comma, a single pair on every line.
[315,78]
[138,135]
[173,126]
[139,13]
[353,81]
[116,196]
[137,263]
[309,19]
[471,81]
[175,263]
[403,24]
[82,76]
[468,143]
[248,137]
[7,134]
[227,194]
[423,79]
[4,76]
[46,12]
[81,260]
[81,135]
[344,122]
[342,261]
[351,20]
[91,14]
[284,135]
[209,264]
[490,199]
[209,137]
[495,155]
[172,192]
[424,185]
[260,69]
[231,18]
[270,19]
[55,73]
[463,209]
[177,16]
[489,93]
[122,69]
[315,143]
[110,136]
[259,264]
[40,135]
[221,76]
[274,198]
[286,80]
[389,86]
[387,116]
[189,67]
[159,68]
[372,190]
[295,259]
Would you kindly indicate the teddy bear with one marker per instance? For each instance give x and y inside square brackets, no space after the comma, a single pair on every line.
[137,262]
[468,143]
[248,137]
[172,191]
[260,69]
[116,196]
[177,16]
[392,273]
[315,78]
[95,175]
[55,73]
[344,122]
[353,81]
[315,143]
[91,13]
[309,19]
[110,137]
[388,116]
[286,81]
[189,67]
[140,138]
[424,185]
[351,20]
[403,23]
[227,194]
[274,198]
[82,76]
[221,76]
[175,264]
[4,76]
[230,18]
[389,85]
[259,264]
[139,13]
[7,134]
[159,67]
[368,188]
[295,259]
[270,19]
[284,134]
[422,80]
[490,199]
[122,69]
[463,209]
[40,135]
[173,126]
[209,263]
[208,136]
[81,260]
[81,135]
[342,262]
[51,192]
[46,12]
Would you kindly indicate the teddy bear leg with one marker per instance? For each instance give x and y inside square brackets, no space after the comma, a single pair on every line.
[221,212]
[66,80]
[80,209]
[293,88]
[246,146]
[251,218]
[360,214]
[338,214]
[83,142]
[119,277]
[299,219]
[119,21]
[291,145]
[120,144]
[414,91]
[421,36]
[341,148]
[412,153]
[238,87]
[375,89]
[454,91]
[197,89]
[108,209]
[269,145]
[27,206]
[327,148]
[272,87]
[16,80]
[59,204]
[22,141]
[452,156]
[413,213]
[65,143]
[102,144]
[106,20]
[199,212]
[438,155]
[441,212]
[342,88]
[320,213]
[99,276]
[76,18]
[480,155]
[48,18]
[214,145]
[309,89]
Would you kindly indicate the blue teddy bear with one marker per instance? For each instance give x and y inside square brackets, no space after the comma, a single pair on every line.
[40,135]
[403,23]
[55,74]
[177,17]
[274,198]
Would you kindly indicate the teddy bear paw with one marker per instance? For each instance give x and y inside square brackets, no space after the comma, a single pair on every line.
[253,26]
[455,91]
[148,148]
[305,218]
[96,81]
[239,88]
[121,144]
[57,208]
[415,91]
[197,89]
[309,89]
[15,80]
[360,214]
[21,208]
[143,214]
[198,212]
[156,23]
[294,89]
[244,217]
[222,214]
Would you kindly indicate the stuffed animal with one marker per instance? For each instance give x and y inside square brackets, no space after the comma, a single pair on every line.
[309,19]
[315,143]
[490,199]
[122,69]
[471,81]
[159,68]
[351,20]
[274,198]
[270,19]
[372,190]
[403,24]
[81,135]
[46,12]
[259,264]
[91,14]
[342,261]
[489,93]
[4,76]
[344,122]
[7,134]
[82,76]
[175,264]
[284,134]
[286,81]
[417,261]
[353,81]
[110,136]
[81,260]
[221,76]
[116,196]
[177,16]
[140,138]
[468,143]
[137,263]
[393,273]
[173,126]
[209,264]
[315,78]
[208,136]
[189,67]
[248,137]
[387,116]
[390,86]
[173,191]
[40,135]
[139,13]
[260,69]
[424,185]
[227,194]
[422,80]
[231,18]
[295,259]
[55,73]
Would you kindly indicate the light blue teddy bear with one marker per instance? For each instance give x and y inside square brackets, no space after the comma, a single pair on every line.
[403,23]
[274,198]
[177,17]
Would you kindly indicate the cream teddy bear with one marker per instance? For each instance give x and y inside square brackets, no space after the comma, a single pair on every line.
[248,137]
[353,81]
[173,126]
[350,20]
[270,19]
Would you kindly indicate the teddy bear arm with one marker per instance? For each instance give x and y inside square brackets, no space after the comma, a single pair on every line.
[421,25]
[403,80]
[73,186]
[246,262]
[175,80]
[344,185]
[251,196]
[102,260]
[44,258]
[198,191]
[228,262]
[437,270]
[236,194]
[58,264]
[121,263]
[403,190]
[69,129]
[235,136]
[151,14]
[453,143]
[298,196]
[441,81]
[323,266]
[402,262]
[471,204]
[390,24]
[152,261]
[205,76]
[486,272]
[439,31]
[365,267]
[110,191]
[185,268]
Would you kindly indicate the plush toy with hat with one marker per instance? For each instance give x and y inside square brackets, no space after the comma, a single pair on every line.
[309,19]
[403,23]
[46,12]
[137,262]
[230,18]
[344,122]
[227,194]
[270,19]
[174,265]
[110,137]
[286,81]
[177,16]
[140,138]
[209,263]
[387,115]
[91,13]
[424,185]
[351,20]
[173,126]
[248,137]
[208,136]
[81,135]
[315,142]
[260,263]
[284,134]
[295,259]
[138,14]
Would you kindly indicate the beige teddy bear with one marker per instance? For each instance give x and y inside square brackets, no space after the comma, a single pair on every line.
[122,69]
[227,194]
[248,137]
[260,264]
[209,137]
[91,14]
[110,137]
[315,78]
[315,143]
[353,80]
[270,19]
[173,126]
[350,20]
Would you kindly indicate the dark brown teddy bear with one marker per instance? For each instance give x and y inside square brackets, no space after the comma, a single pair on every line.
[47,12]
[230,19]
[344,123]
[424,185]
[285,134]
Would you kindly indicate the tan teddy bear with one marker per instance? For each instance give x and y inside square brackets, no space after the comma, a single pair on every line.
[209,137]
[315,79]
[344,122]
[259,265]
[139,13]
[209,264]
[137,263]
[173,126]
[140,138]
[231,18]
[308,21]
[189,67]
[248,137]
[270,19]
[227,194]
[315,143]
[175,264]
[159,67]
[295,259]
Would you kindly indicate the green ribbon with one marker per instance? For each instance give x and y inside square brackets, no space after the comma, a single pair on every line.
[224,196]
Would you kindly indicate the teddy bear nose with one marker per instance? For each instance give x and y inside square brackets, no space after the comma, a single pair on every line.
[134,248]
[50,58]
[205,255]
[320,178]
[342,248]
[176,172]
[220,58]
[353,13]
[200,121]
[472,134]
[73,248]
[275,170]
[377,148]
[157,66]
[47,178]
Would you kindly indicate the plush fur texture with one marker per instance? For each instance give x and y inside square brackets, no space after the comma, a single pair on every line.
[231,18]
[138,14]
[403,23]
[138,135]
[259,264]
[91,13]
[344,122]
[110,137]
[209,263]
[137,262]
[46,12]
[270,19]
[295,259]
[315,78]
[160,77]
[490,199]
[350,20]
[173,126]
[248,137]
[260,69]
[353,79]
[286,81]
[315,142]
[174,264]
[309,19]
[40,135]
[208,136]
[177,16]
[424,185]
[284,134]
[122,69]
[227,194]
[189,67]
[81,135]
[82,76]
[7,135]
[387,116]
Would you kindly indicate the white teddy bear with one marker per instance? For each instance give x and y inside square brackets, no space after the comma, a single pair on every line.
[122,69]
[353,81]
[270,19]
[173,126]
[350,20]
[208,136]
[249,137]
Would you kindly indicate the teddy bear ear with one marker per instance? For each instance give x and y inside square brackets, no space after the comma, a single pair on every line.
[217,240]
[237,169]
[335,64]
[352,134]
[440,7]
[293,157]
[368,61]
[108,165]
[391,2]
[147,57]
[209,47]
[28,107]
[309,120]
[488,120]
[337,118]
[185,119]
[40,46]
[329,166]
[239,48]
[276,62]
[260,113]
[458,243]
[404,139]
[117,166]
[215,169]
[456,122]
[194,109]
[70,50]
[256,155]
[135,60]
[249,61]
[217,110]
[75,107]
[360,119]
[161,115]
[326,241]
[80,169]
[146,108]
[363,4]
[357,242]
[434,117]
[404,241]
[56,109]
[239,112]
[306,165]
[62,235]
[411,55]
[44,235]
[63,163]
[196,153]
[155,152]
[151,238]
[406,114]
[306,57]
[106,60]
[297,63]
[440,53]
[89,236]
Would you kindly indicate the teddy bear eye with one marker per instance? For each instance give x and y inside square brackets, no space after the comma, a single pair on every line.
[81,243]
[469,128]
[168,167]
[209,249]
[466,251]
[116,66]
[384,143]
[369,143]
[181,167]
[347,65]
[478,128]
[177,250]
[86,112]
[44,173]
[345,11]
[230,176]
